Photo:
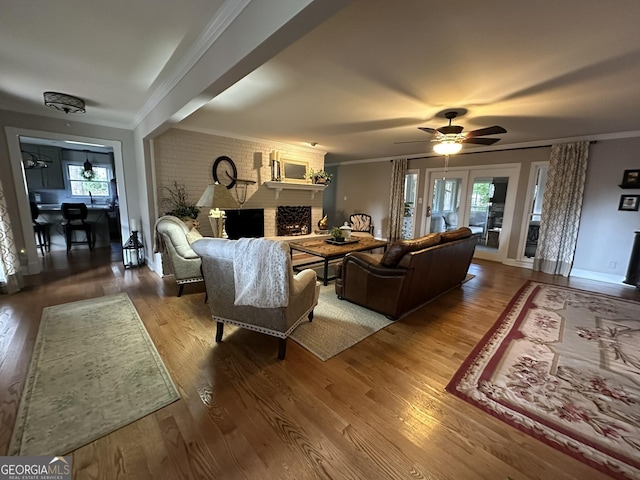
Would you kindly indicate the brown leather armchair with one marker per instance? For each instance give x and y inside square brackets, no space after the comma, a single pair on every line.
[410,274]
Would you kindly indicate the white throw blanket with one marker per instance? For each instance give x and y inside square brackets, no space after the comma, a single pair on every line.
[260,270]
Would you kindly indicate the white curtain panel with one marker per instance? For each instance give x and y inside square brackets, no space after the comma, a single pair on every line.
[396,200]
[561,209]
[9,260]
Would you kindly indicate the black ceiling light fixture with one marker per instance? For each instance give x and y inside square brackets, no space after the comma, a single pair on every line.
[63,102]
[88,173]
[88,166]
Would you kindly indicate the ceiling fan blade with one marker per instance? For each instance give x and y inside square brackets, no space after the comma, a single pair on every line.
[481,141]
[450,130]
[495,130]
[427,129]
[412,141]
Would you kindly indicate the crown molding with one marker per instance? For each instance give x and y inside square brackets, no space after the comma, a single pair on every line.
[216,27]
[511,146]
[275,144]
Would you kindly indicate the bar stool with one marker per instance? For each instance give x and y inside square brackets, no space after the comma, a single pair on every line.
[42,230]
[74,215]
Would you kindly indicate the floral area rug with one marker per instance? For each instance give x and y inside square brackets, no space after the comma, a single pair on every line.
[563,365]
[94,369]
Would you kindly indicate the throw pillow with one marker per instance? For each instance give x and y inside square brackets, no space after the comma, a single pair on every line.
[462,232]
[193,235]
[398,249]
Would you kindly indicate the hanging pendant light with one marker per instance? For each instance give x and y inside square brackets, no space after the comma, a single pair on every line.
[88,173]
[88,166]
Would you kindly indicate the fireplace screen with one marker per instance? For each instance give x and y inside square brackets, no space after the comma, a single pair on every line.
[293,221]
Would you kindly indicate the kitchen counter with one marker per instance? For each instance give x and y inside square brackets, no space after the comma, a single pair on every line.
[97,216]
[55,207]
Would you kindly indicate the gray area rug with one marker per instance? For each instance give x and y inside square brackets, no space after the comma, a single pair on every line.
[94,370]
[337,325]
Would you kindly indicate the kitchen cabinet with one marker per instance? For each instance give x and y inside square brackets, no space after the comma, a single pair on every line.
[44,178]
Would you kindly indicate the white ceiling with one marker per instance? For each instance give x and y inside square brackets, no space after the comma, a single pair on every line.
[364,79]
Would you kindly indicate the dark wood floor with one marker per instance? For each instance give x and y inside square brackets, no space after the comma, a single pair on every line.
[376,411]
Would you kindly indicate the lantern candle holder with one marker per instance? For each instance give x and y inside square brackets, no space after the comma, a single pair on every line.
[133,251]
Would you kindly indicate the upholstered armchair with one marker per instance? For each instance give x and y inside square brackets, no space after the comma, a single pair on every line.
[361,222]
[250,284]
[172,239]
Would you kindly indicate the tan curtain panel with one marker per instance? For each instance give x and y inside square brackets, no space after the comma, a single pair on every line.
[562,208]
[9,261]
[396,200]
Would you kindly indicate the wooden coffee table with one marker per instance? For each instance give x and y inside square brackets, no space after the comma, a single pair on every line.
[328,251]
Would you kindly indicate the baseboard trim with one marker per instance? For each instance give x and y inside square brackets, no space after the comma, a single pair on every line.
[600,277]
[575,272]
[518,263]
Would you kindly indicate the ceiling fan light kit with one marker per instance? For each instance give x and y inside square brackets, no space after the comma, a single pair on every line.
[450,137]
[63,102]
[447,147]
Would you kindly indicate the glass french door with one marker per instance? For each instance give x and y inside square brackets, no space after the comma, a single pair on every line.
[410,199]
[445,200]
[481,199]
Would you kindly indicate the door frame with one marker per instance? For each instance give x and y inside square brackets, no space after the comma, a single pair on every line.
[524,228]
[13,142]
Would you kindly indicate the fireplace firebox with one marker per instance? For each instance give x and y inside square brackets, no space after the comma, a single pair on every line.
[293,221]
[245,223]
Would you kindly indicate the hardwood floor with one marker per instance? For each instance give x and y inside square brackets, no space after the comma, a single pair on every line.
[376,411]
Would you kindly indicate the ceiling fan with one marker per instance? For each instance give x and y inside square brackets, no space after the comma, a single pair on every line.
[451,137]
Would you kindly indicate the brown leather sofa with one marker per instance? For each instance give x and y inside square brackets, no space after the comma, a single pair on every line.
[409,274]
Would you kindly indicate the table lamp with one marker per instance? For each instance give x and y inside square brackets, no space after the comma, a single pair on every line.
[216,216]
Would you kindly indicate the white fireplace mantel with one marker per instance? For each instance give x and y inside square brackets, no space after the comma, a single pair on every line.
[279,186]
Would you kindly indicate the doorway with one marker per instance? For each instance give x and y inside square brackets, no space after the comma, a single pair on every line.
[34,264]
[482,199]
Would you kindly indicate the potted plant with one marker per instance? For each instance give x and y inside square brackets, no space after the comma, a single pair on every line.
[319,176]
[336,234]
[178,203]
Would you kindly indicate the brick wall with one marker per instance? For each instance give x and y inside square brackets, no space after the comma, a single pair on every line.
[187,157]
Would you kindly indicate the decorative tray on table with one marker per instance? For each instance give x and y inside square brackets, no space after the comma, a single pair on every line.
[343,242]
